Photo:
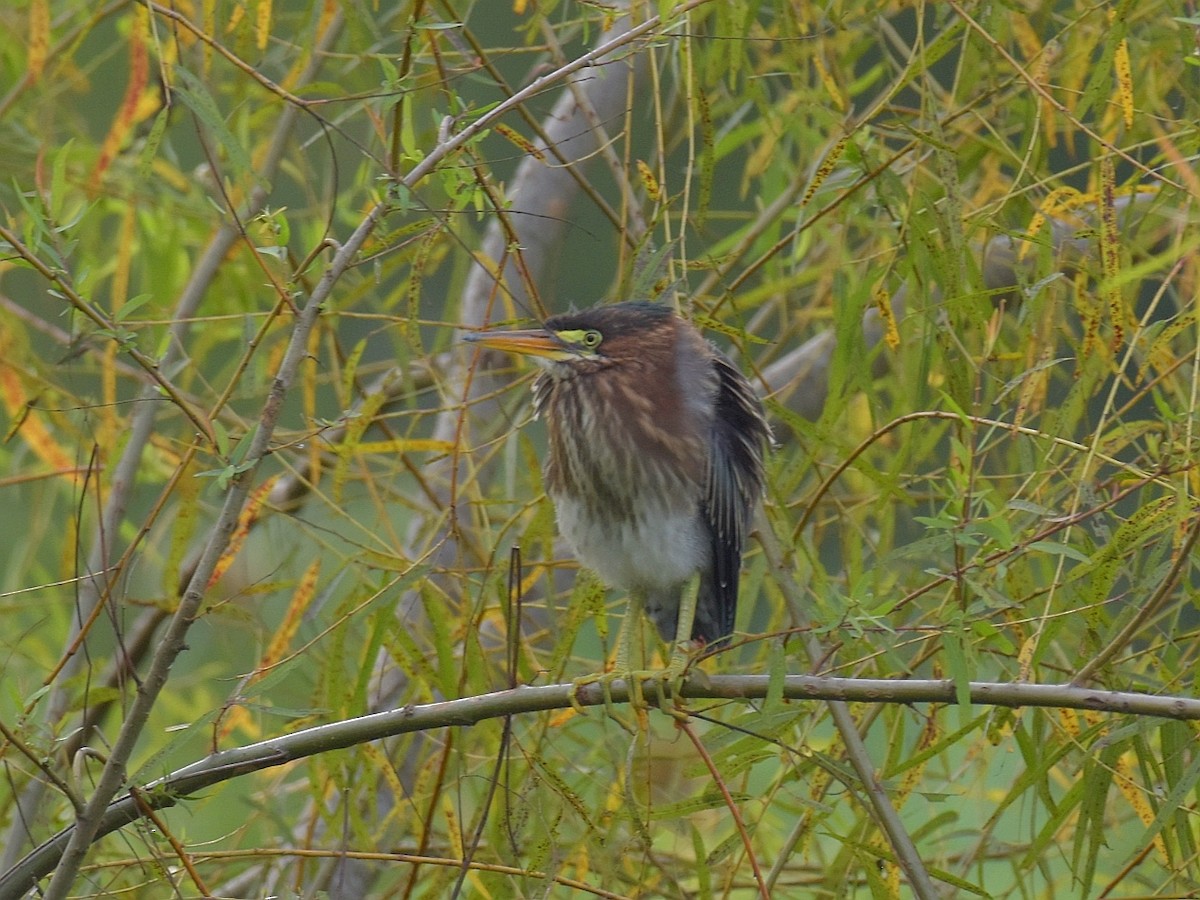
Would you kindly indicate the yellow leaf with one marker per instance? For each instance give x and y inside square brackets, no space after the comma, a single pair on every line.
[1125,773]
[831,86]
[1110,251]
[1124,74]
[1124,82]
[28,422]
[249,516]
[520,140]
[262,24]
[209,27]
[883,303]
[1055,205]
[653,188]
[39,37]
[399,445]
[301,598]
[127,112]
[828,164]
[1025,35]
[1041,74]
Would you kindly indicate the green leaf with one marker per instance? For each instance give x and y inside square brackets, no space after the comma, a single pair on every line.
[131,306]
[153,141]
[196,97]
[1055,548]
[958,662]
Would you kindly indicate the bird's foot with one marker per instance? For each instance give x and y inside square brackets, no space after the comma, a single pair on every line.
[665,690]
[671,679]
[605,680]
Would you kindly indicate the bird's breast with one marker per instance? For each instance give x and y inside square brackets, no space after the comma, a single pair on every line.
[621,451]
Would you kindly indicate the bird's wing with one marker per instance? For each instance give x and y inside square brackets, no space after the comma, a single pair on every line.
[740,435]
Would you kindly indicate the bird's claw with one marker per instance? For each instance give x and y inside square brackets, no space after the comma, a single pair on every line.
[671,691]
[667,684]
[605,680]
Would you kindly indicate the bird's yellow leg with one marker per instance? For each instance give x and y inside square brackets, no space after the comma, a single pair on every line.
[672,676]
[630,628]
[632,673]
[627,667]
[630,625]
[683,627]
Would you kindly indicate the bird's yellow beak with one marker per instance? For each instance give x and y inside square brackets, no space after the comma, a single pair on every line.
[533,342]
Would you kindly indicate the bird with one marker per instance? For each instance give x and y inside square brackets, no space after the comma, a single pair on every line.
[655,462]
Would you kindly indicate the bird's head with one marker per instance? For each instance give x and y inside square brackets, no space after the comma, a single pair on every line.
[591,340]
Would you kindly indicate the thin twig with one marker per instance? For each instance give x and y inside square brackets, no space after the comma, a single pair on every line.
[738,822]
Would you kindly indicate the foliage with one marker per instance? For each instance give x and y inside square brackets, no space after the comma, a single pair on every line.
[238,240]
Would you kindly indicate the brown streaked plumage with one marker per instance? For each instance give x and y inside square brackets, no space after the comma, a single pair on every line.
[655,462]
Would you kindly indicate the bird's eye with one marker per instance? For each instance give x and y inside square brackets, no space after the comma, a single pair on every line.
[591,339]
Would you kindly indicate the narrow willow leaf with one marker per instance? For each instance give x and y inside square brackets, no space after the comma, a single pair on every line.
[195,95]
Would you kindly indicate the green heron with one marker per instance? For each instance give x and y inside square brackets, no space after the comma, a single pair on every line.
[655,462]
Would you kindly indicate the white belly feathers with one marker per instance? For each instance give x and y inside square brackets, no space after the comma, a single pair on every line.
[633,555]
